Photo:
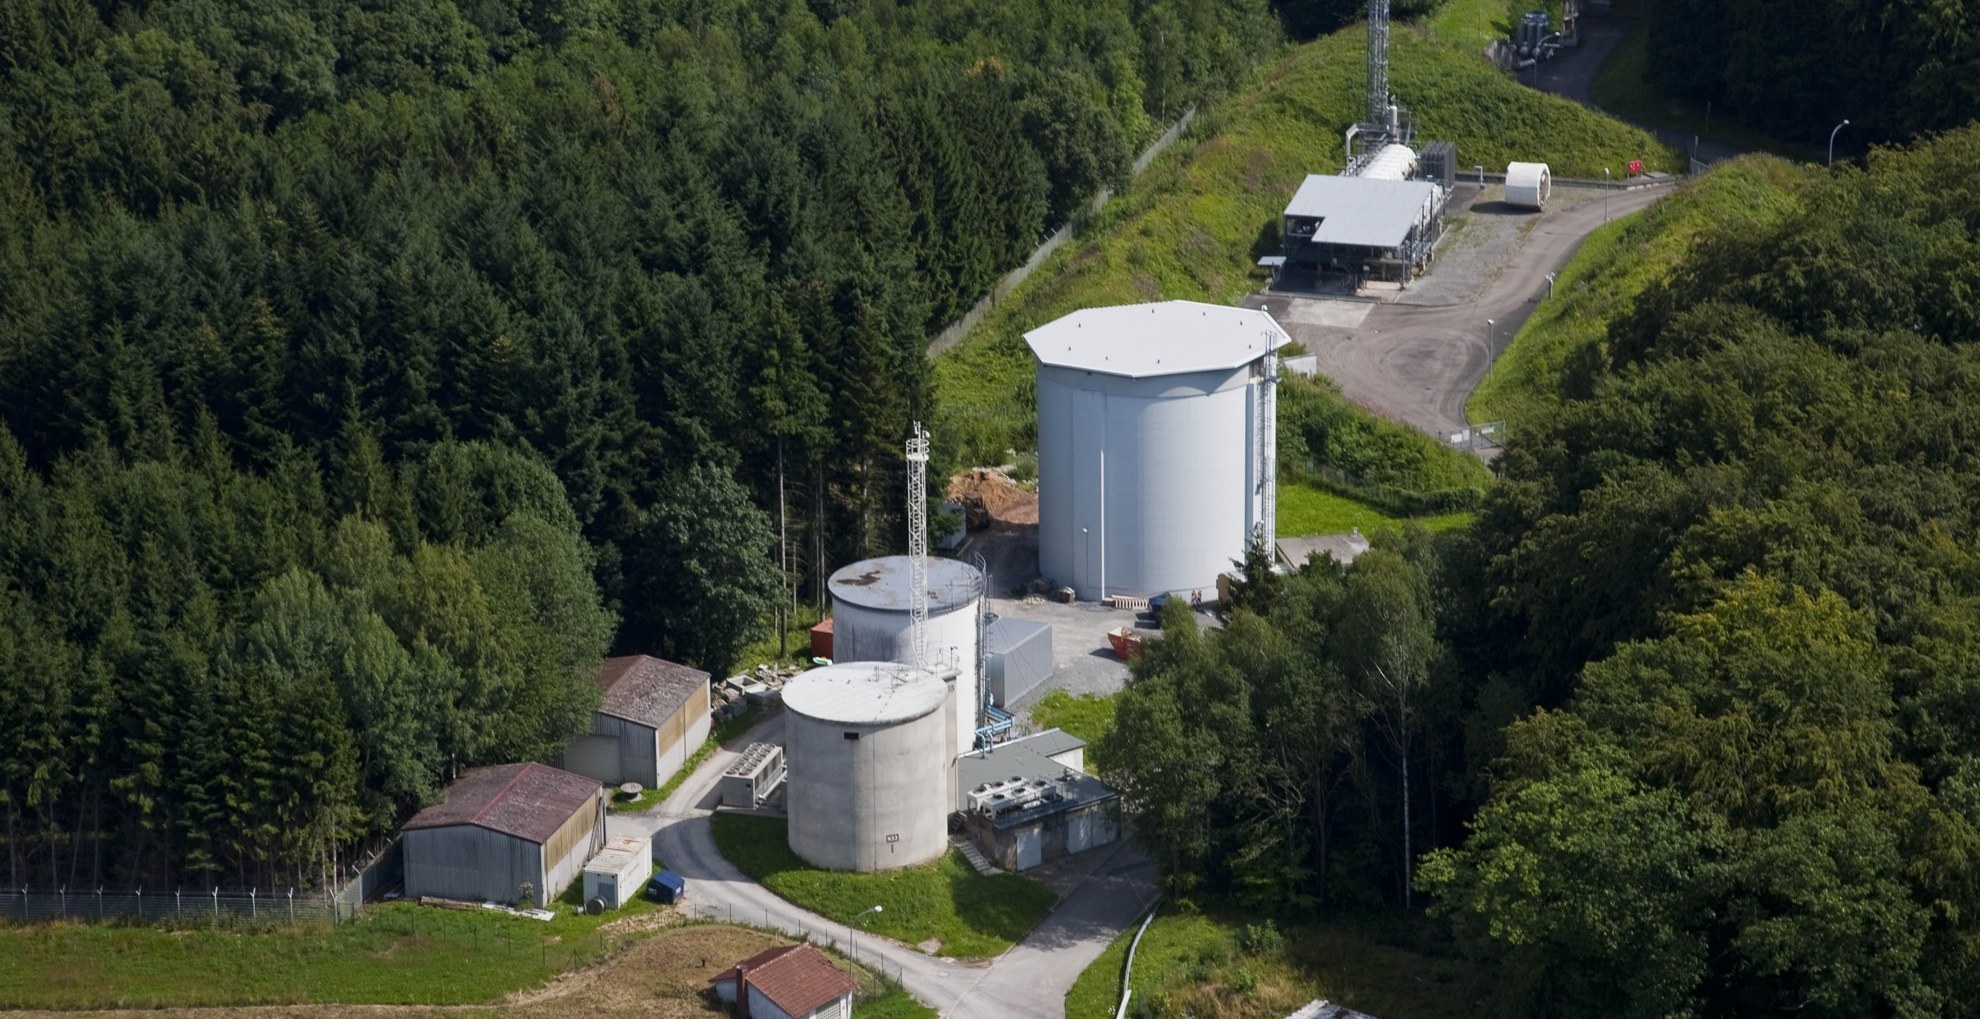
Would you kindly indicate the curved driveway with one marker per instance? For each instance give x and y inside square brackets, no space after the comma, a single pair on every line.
[1029,981]
[1418,362]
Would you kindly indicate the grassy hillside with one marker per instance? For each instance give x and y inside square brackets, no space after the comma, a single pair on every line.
[1203,964]
[1615,265]
[1194,223]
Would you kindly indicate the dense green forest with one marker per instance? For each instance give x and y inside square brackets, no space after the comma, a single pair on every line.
[1689,722]
[1894,69]
[368,370]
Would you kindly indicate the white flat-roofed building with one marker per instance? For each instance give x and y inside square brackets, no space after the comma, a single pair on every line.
[1363,226]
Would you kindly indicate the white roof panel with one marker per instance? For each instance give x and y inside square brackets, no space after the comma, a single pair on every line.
[868,693]
[1360,211]
[1147,340]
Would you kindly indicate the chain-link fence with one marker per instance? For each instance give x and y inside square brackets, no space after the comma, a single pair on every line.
[853,946]
[225,907]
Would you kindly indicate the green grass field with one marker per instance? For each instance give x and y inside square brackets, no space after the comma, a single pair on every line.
[1193,965]
[970,914]
[393,953]
[1192,225]
[1088,716]
[1617,263]
[1304,510]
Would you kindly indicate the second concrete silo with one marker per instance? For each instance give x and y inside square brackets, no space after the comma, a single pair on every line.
[1155,444]
[870,622]
[871,761]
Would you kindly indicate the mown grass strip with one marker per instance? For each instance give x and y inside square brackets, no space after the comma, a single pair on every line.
[1305,510]
[970,914]
[394,953]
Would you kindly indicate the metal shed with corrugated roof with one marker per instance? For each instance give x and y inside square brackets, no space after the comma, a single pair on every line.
[652,716]
[504,827]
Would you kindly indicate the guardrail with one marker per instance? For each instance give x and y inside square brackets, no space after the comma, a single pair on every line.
[1127,968]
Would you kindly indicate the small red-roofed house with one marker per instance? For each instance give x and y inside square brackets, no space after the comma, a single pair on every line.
[501,828]
[790,982]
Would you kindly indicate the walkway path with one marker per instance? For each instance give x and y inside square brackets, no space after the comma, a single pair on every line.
[1027,982]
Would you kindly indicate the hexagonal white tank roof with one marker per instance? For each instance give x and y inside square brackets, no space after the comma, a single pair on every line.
[865,693]
[1146,340]
[883,584]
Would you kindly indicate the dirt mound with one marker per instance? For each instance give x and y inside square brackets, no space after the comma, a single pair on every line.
[989,496]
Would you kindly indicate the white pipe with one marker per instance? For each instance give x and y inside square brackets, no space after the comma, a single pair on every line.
[1103,509]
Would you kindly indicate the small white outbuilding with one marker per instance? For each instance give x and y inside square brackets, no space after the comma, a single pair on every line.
[1528,185]
[618,873]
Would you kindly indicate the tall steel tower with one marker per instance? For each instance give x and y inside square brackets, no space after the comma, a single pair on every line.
[917,509]
[1378,61]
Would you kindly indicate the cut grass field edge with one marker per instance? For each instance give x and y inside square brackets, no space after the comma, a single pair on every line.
[971,915]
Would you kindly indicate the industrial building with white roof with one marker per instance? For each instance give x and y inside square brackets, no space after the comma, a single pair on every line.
[1376,227]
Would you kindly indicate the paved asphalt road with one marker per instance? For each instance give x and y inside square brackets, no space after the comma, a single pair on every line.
[1030,980]
[1571,75]
[1417,363]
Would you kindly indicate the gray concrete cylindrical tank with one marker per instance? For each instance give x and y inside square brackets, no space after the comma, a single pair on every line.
[1154,458]
[870,622]
[870,779]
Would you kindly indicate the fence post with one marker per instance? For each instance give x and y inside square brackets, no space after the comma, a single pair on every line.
[140,903]
[64,893]
[292,905]
[253,914]
[216,905]
[178,904]
[99,903]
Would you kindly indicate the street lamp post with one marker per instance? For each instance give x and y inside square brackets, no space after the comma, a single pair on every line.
[1550,286]
[1832,140]
[1491,340]
[1605,194]
[852,937]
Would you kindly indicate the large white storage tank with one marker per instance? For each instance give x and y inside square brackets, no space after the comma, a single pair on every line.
[1528,185]
[1155,459]
[870,750]
[870,622]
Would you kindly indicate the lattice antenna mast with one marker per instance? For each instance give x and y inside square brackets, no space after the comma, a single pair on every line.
[1378,61]
[917,510]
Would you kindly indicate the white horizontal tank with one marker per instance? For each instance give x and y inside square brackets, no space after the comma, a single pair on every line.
[870,622]
[1393,162]
[1528,185]
[1155,459]
[871,765]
